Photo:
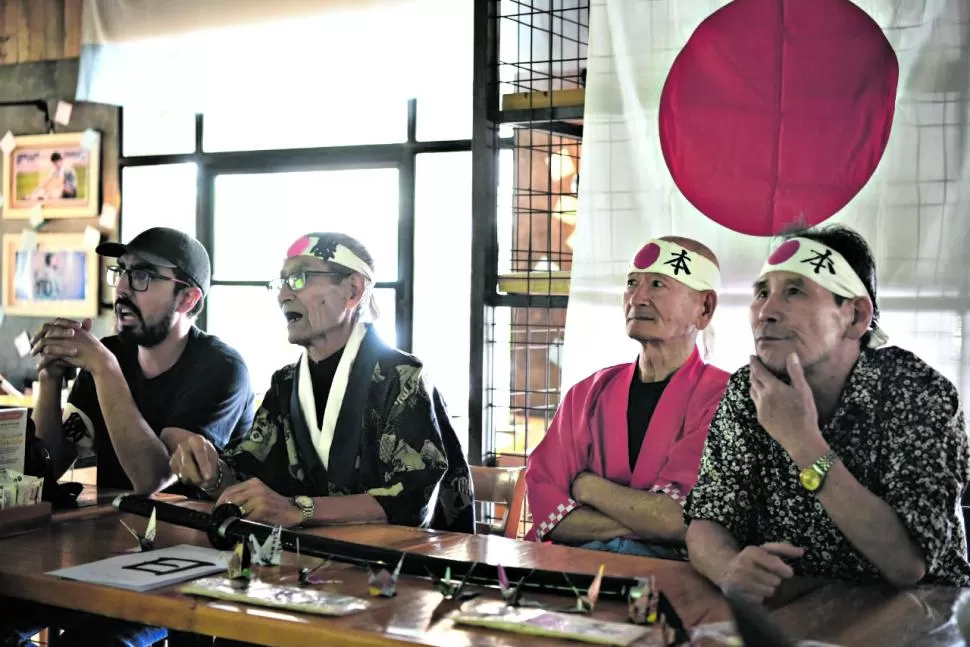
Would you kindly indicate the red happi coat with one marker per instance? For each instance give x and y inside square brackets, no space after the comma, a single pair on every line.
[589,433]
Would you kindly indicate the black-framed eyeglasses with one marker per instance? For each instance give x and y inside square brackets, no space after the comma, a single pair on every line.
[298,280]
[139,278]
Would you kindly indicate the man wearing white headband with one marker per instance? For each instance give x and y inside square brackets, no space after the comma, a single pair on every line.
[615,466]
[829,456]
[351,433]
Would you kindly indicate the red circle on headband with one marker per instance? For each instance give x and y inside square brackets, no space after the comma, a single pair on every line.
[647,256]
[298,247]
[784,252]
[778,112]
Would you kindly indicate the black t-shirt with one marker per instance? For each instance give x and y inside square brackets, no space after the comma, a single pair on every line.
[640,406]
[322,374]
[207,391]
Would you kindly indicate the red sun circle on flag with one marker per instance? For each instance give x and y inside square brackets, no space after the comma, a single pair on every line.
[784,252]
[647,256]
[777,112]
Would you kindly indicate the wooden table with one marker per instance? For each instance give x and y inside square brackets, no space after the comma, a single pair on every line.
[831,612]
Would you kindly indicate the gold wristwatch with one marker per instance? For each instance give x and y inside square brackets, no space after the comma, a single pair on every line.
[813,476]
[306,506]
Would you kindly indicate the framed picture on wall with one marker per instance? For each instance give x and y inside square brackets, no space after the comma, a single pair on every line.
[60,173]
[58,277]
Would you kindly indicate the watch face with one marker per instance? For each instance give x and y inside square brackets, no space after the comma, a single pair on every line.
[303,501]
[810,479]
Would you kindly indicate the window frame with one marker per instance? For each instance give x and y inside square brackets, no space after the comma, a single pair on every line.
[399,155]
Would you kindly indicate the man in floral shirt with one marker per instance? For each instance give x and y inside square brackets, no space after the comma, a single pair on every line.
[828,455]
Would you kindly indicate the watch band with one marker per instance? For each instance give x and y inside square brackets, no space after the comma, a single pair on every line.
[825,463]
[812,478]
[305,510]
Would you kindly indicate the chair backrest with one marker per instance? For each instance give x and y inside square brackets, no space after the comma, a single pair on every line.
[505,486]
[965,508]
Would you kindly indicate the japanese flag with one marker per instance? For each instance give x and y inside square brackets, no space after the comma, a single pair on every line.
[731,121]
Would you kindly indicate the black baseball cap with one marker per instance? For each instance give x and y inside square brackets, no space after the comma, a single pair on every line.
[164,247]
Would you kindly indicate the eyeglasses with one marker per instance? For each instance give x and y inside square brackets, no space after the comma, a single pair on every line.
[139,278]
[297,281]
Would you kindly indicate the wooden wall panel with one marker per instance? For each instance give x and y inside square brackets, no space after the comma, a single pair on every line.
[39,30]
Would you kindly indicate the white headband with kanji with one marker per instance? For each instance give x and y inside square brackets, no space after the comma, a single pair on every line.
[670,259]
[828,268]
[326,250]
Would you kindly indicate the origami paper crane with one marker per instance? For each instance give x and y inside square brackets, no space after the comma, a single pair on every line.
[511,594]
[452,589]
[270,553]
[586,603]
[240,572]
[384,583]
[146,541]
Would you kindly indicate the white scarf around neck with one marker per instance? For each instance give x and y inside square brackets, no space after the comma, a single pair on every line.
[322,435]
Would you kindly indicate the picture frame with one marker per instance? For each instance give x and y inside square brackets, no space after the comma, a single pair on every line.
[58,277]
[60,173]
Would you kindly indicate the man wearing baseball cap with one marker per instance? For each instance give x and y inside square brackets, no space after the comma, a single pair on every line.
[139,393]
[621,454]
[157,382]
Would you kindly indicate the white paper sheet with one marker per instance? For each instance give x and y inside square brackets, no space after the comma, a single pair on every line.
[22,343]
[62,115]
[109,216]
[8,142]
[92,237]
[36,216]
[152,570]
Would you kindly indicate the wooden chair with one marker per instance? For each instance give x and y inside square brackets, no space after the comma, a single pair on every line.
[965,508]
[505,487]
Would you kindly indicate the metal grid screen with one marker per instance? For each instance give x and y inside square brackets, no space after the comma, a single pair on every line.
[542,58]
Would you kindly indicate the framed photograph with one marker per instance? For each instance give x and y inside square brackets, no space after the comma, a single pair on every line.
[61,173]
[58,277]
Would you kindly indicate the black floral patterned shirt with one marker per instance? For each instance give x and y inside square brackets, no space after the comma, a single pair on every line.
[898,428]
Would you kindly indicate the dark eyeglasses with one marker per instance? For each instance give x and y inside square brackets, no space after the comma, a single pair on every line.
[139,278]
[298,280]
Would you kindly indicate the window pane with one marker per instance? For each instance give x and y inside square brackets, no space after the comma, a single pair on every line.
[157,196]
[386,324]
[446,116]
[442,266]
[307,125]
[157,132]
[362,203]
[248,319]
[444,85]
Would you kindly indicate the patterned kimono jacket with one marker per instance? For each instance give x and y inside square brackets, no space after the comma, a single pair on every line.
[389,436]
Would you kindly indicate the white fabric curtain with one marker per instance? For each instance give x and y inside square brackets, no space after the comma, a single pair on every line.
[203,55]
[913,211]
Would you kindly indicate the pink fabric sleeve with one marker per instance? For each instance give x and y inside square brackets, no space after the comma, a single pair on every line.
[679,474]
[553,465]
